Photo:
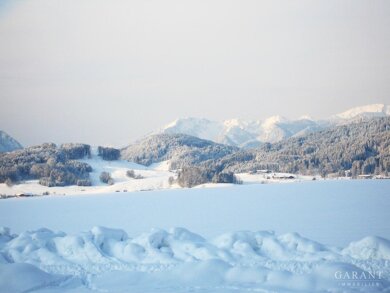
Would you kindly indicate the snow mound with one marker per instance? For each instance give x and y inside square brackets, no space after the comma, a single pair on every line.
[179,260]
[369,248]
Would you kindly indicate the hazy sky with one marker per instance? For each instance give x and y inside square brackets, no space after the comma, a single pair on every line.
[110,71]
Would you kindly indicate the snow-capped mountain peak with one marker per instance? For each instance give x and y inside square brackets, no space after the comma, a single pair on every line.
[240,123]
[199,127]
[305,117]
[269,122]
[233,123]
[187,122]
[171,124]
[367,111]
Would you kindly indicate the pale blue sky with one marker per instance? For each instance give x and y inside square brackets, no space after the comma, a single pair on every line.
[108,72]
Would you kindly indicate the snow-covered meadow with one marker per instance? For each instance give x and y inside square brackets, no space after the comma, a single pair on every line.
[229,239]
[153,177]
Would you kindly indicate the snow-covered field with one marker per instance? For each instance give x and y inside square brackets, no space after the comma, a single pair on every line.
[244,241]
[154,177]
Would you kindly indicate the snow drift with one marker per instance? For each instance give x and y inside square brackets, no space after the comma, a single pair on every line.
[178,260]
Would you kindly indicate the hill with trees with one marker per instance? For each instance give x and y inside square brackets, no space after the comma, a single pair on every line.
[51,165]
[359,148]
[180,149]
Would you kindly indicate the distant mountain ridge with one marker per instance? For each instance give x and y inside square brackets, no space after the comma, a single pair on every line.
[368,111]
[8,143]
[248,134]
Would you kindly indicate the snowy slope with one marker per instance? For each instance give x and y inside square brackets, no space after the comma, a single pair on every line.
[8,143]
[235,252]
[244,133]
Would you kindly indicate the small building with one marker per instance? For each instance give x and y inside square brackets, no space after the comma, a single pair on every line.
[283,176]
[365,176]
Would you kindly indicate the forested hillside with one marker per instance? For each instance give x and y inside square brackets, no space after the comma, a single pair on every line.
[181,149]
[362,148]
[52,165]
[354,149]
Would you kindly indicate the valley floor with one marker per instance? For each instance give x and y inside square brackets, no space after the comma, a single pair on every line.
[246,241]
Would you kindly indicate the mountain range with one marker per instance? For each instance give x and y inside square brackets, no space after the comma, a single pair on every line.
[248,134]
[356,141]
